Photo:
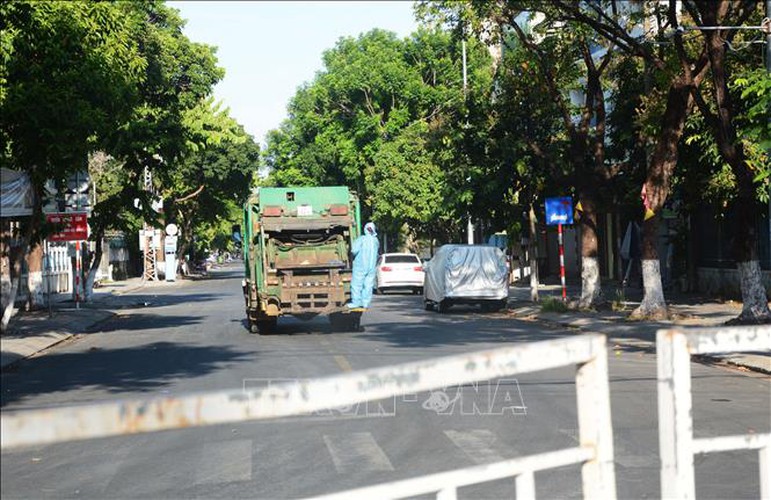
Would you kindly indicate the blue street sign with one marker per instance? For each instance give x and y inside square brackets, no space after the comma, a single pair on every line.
[559,211]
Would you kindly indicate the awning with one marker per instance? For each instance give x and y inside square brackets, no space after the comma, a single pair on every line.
[15,194]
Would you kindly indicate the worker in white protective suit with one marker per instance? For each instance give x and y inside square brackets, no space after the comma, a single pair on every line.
[364,251]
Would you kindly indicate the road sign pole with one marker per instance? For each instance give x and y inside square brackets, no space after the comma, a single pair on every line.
[77,274]
[562,263]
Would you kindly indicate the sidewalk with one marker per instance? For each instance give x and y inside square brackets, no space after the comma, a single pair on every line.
[32,333]
[689,311]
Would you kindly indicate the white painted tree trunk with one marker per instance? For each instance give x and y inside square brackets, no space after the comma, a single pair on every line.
[653,305]
[591,291]
[88,294]
[35,288]
[533,253]
[533,274]
[8,308]
[754,298]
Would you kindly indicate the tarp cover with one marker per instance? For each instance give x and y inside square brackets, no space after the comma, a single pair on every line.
[467,272]
[15,194]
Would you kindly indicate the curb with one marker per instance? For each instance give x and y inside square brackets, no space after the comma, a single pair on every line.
[10,358]
[28,347]
[533,312]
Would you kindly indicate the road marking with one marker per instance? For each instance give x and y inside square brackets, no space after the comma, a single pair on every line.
[343,363]
[480,445]
[357,452]
[225,462]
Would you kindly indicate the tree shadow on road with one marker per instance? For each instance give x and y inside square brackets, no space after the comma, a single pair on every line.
[143,368]
[140,321]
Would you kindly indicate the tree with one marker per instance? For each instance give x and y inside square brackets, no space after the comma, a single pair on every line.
[172,116]
[69,75]
[379,105]
[210,184]
[720,116]
[620,23]
[557,59]
[406,185]
[684,68]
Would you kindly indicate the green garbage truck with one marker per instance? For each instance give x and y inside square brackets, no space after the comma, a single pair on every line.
[297,255]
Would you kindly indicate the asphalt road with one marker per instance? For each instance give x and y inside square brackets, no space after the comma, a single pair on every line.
[192,337]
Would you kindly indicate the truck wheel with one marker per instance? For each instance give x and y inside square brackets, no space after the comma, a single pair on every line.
[266,326]
[427,305]
[444,306]
[253,327]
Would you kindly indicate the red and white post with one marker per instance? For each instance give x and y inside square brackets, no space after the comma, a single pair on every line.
[562,263]
[77,275]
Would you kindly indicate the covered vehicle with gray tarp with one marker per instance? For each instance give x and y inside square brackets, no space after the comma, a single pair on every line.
[466,274]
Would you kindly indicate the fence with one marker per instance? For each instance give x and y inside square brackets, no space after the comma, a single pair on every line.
[588,352]
[677,446]
[57,269]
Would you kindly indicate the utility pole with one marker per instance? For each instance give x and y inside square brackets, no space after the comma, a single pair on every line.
[470,226]
[767,29]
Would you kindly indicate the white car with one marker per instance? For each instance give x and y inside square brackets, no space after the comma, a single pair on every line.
[399,271]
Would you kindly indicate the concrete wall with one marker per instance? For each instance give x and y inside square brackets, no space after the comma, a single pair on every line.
[725,282]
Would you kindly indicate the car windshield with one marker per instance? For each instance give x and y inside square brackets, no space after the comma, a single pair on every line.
[401,259]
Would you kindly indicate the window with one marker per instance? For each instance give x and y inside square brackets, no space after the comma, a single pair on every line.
[401,259]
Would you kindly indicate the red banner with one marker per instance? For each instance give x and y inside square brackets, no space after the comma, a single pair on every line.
[75,226]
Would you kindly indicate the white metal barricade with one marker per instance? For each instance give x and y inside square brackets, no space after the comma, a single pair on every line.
[587,352]
[677,446]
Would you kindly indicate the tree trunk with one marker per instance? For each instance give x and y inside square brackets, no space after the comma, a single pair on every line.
[96,260]
[15,268]
[591,290]
[533,252]
[755,301]
[656,191]
[30,233]
[34,277]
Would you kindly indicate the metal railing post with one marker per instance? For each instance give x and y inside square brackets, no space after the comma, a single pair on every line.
[675,421]
[595,425]
[525,484]
[677,444]
[764,459]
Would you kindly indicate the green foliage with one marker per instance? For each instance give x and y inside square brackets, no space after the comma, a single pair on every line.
[704,174]
[754,87]
[70,76]
[553,304]
[205,191]
[388,118]
[405,184]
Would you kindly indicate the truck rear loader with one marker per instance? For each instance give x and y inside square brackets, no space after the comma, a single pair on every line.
[297,255]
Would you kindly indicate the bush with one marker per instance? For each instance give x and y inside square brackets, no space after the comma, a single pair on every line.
[552,304]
